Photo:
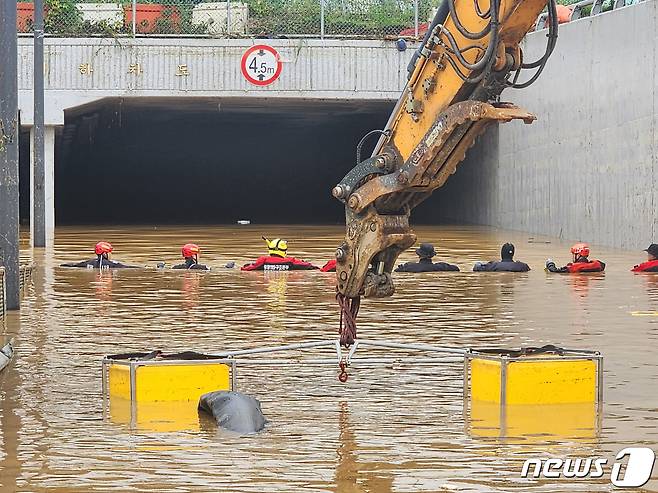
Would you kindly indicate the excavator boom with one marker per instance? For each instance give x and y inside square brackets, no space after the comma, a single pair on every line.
[468,56]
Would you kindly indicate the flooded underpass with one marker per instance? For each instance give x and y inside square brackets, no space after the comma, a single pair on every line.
[208,160]
[398,428]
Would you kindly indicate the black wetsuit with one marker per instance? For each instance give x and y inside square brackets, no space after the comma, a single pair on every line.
[505,265]
[104,263]
[191,264]
[426,265]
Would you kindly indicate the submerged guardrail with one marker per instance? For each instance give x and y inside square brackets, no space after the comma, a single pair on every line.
[533,391]
[3,295]
[24,278]
[24,275]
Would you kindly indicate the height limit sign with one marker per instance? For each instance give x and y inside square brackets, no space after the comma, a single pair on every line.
[261,65]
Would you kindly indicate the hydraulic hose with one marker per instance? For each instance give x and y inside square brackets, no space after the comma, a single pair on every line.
[490,51]
[482,15]
[439,18]
[465,32]
[363,140]
[488,58]
[550,46]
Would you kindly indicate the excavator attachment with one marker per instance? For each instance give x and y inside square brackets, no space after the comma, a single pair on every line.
[469,55]
[378,211]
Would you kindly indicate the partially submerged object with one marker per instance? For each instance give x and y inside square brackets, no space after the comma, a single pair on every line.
[6,353]
[234,411]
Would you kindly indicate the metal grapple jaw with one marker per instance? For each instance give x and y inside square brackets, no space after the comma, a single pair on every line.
[380,193]
[365,259]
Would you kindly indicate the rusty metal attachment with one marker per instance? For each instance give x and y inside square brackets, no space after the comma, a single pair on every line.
[342,376]
[377,212]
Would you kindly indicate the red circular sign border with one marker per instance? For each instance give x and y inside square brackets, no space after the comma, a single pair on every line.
[257,82]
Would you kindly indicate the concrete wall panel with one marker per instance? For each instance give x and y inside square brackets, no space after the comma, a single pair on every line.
[586,169]
[312,69]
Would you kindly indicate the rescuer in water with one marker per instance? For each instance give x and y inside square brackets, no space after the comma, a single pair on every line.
[102,260]
[425,253]
[329,266]
[506,264]
[190,253]
[581,262]
[651,265]
[278,259]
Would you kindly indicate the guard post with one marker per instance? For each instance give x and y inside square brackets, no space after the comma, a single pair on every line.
[9,130]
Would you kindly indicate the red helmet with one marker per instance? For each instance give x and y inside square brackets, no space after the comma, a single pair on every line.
[580,249]
[190,250]
[102,247]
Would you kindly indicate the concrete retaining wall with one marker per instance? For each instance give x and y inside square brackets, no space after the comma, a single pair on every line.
[587,169]
[79,71]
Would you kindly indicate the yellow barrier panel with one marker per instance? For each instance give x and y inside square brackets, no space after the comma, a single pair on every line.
[533,396]
[534,382]
[158,381]
[533,379]
[161,395]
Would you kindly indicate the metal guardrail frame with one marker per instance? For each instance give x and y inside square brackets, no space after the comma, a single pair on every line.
[439,355]
[24,277]
[248,357]
[3,295]
[568,354]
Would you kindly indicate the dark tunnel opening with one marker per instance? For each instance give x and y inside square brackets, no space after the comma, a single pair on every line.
[211,161]
[150,161]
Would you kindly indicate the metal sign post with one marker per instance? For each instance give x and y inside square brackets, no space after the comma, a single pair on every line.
[9,129]
[38,221]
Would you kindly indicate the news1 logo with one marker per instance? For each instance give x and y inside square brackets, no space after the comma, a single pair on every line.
[636,473]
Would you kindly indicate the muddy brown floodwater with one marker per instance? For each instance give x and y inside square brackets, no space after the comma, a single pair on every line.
[387,429]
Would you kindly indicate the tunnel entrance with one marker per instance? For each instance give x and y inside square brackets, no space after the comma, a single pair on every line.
[183,161]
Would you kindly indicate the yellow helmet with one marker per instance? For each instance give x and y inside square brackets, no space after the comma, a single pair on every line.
[277,247]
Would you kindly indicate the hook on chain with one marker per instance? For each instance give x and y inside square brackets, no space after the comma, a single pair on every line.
[342,376]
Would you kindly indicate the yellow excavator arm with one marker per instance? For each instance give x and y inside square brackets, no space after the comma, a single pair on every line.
[468,56]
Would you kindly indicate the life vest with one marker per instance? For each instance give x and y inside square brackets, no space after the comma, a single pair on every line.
[650,266]
[329,266]
[590,266]
[274,263]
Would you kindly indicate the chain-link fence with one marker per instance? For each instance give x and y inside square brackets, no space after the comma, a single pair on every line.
[234,18]
[373,19]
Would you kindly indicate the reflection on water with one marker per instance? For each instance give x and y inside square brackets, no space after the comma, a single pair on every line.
[533,423]
[387,429]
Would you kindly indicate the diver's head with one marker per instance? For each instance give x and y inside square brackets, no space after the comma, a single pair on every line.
[580,250]
[652,252]
[277,247]
[103,249]
[191,251]
[507,251]
[425,251]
